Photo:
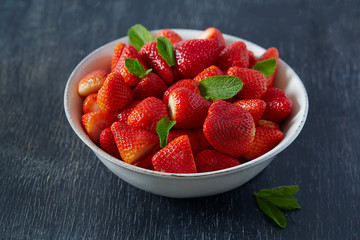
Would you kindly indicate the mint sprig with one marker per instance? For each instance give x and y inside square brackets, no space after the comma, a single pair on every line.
[162,128]
[266,67]
[270,200]
[166,50]
[139,35]
[136,68]
[220,87]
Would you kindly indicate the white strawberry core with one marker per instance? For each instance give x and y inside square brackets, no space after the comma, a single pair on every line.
[171,106]
[143,153]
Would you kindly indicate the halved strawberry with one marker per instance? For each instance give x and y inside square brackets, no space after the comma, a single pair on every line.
[108,144]
[95,122]
[235,54]
[268,124]
[146,162]
[265,140]
[213,33]
[254,82]
[133,143]
[193,138]
[229,128]
[187,108]
[255,107]
[278,105]
[175,157]
[151,85]
[119,47]
[147,114]
[114,94]
[211,160]
[184,83]
[92,82]
[89,104]
[193,56]
[270,53]
[171,35]
[209,72]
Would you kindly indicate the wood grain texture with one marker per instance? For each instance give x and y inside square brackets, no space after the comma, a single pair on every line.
[53,187]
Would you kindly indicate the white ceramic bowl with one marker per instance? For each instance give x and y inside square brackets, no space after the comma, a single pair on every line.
[186,185]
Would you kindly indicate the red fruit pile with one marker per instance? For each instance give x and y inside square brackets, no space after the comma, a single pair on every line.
[121,109]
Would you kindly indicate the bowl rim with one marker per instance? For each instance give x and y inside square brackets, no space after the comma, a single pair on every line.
[98,151]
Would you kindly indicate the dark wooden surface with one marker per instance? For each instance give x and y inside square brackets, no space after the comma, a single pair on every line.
[53,187]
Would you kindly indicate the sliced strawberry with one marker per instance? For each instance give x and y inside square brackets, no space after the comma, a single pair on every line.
[252,59]
[268,124]
[270,53]
[95,122]
[146,162]
[119,47]
[123,114]
[235,54]
[193,138]
[89,104]
[150,55]
[114,94]
[151,85]
[193,56]
[175,157]
[265,140]
[147,114]
[92,82]
[209,72]
[211,160]
[108,144]
[255,107]
[213,33]
[184,83]
[133,143]
[229,128]
[278,105]
[187,108]
[171,35]
[254,82]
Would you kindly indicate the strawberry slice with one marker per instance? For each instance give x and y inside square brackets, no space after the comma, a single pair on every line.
[184,83]
[123,114]
[211,160]
[89,104]
[209,72]
[229,128]
[175,157]
[147,114]
[119,47]
[151,85]
[171,35]
[235,54]
[95,122]
[213,33]
[187,108]
[278,105]
[92,82]
[108,144]
[265,140]
[133,143]
[114,94]
[255,107]
[270,53]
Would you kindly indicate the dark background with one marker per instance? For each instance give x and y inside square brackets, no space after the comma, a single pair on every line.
[53,187]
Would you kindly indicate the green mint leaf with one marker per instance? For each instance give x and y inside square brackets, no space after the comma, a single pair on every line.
[139,35]
[279,191]
[220,87]
[166,50]
[266,67]
[287,202]
[272,211]
[136,68]
[162,128]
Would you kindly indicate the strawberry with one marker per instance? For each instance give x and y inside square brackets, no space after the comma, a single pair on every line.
[119,47]
[147,114]
[252,59]
[187,108]
[209,72]
[268,124]
[146,162]
[265,140]
[92,82]
[108,144]
[203,142]
[255,107]
[114,94]
[193,138]
[132,142]
[95,122]
[270,53]
[151,85]
[175,157]
[123,114]
[278,105]
[213,33]
[89,104]
[185,83]
[254,82]
[193,56]
[129,51]
[171,35]
[229,128]
[150,55]
[235,54]
[211,160]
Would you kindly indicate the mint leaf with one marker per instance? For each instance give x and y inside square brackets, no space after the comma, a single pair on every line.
[220,87]
[136,68]
[266,67]
[166,50]
[279,191]
[272,211]
[139,35]
[162,128]
[287,203]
